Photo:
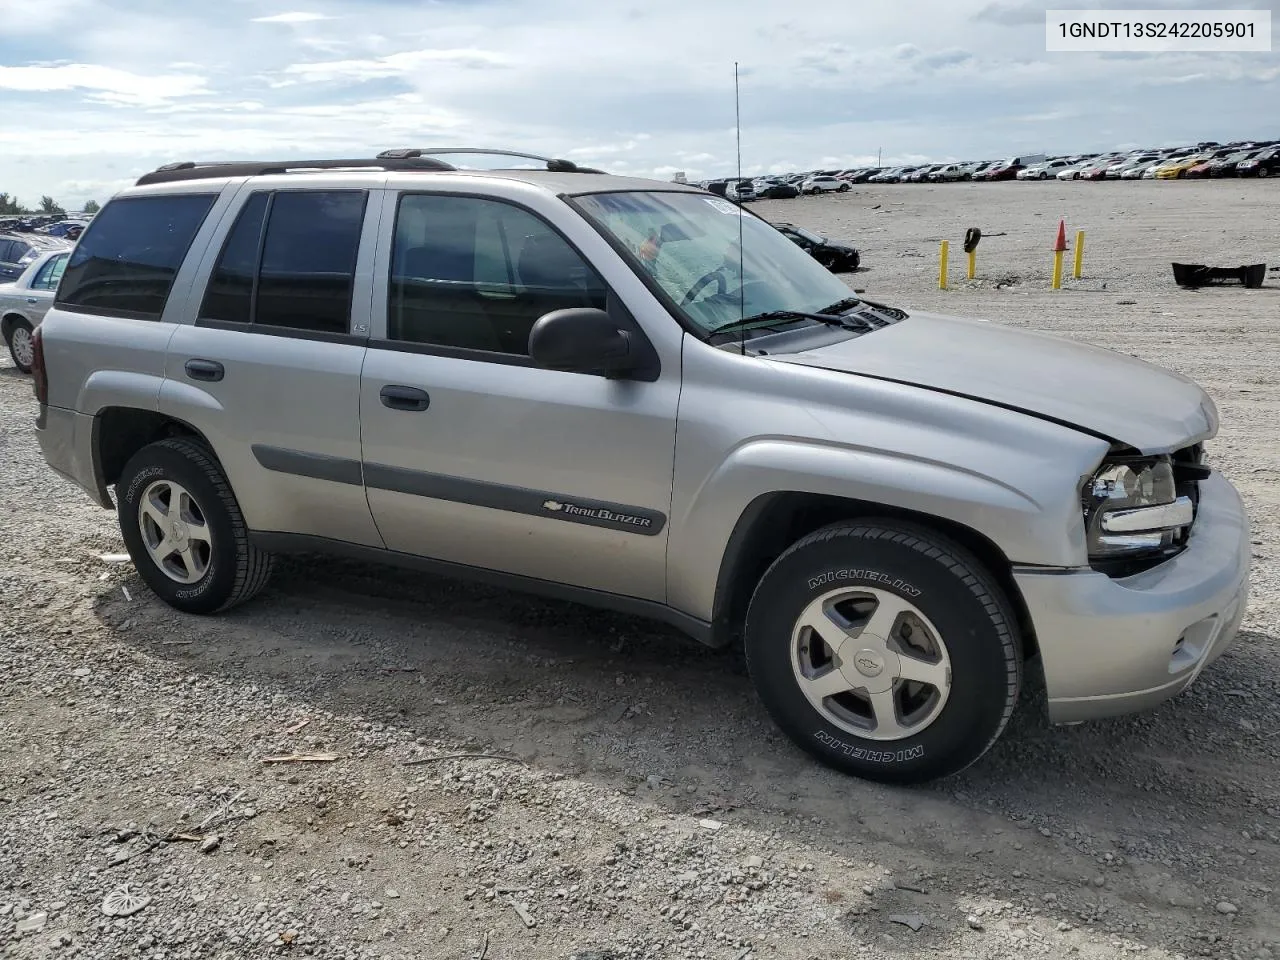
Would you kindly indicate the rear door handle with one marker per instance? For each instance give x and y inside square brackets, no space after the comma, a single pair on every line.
[210,370]
[404,398]
[33,299]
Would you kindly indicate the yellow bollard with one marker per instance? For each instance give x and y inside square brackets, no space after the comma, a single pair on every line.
[973,263]
[1078,266]
[942,265]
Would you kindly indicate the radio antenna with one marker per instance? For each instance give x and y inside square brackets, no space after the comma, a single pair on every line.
[737,126]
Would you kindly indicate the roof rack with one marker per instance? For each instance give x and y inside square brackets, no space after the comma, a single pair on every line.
[410,158]
[190,170]
[554,165]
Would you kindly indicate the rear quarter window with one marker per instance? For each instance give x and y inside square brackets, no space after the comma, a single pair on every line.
[126,260]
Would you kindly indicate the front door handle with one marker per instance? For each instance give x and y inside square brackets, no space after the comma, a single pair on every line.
[33,299]
[210,370]
[404,398]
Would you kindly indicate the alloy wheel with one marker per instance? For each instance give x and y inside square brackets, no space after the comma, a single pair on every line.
[871,663]
[175,532]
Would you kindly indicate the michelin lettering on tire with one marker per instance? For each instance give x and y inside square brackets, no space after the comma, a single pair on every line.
[150,473]
[198,590]
[875,576]
[870,755]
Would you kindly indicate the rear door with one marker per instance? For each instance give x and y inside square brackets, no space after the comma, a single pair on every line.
[39,296]
[266,364]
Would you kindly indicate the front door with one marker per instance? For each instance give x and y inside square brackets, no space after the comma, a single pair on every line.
[475,456]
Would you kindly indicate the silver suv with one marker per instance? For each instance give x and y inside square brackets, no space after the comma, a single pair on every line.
[635,394]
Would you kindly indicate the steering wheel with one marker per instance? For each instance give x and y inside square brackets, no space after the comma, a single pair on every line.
[715,276]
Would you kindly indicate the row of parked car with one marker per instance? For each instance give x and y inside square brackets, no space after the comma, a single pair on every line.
[33,253]
[24,238]
[1259,159]
[775,186]
[1207,159]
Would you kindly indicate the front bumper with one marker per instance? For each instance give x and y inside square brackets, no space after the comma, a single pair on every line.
[1115,646]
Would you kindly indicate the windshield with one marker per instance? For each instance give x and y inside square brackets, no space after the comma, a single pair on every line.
[688,242]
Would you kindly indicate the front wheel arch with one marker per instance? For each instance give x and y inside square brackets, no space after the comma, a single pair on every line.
[11,320]
[772,522]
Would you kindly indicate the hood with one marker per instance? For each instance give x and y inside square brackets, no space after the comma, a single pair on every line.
[1108,394]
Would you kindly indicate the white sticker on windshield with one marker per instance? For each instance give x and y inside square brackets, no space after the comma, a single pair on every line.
[722,205]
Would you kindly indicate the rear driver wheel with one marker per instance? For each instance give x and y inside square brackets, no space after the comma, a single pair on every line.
[20,345]
[184,529]
[884,650]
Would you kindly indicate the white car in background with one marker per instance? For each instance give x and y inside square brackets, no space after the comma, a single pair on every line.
[25,301]
[825,185]
[1044,171]
[953,172]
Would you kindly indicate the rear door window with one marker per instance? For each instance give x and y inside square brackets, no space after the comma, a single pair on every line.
[126,261]
[47,276]
[289,262]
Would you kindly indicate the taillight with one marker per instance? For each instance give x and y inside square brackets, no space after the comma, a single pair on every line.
[39,376]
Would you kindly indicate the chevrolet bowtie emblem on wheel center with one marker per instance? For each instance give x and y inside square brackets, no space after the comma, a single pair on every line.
[869,663]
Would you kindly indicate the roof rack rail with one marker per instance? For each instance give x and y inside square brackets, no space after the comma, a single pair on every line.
[554,165]
[190,170]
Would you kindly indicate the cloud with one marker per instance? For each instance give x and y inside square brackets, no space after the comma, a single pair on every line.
[105,84]
[407,63]
[294,17]
[89,84]
[946,58]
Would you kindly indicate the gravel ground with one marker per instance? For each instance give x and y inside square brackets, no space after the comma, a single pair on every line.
[643,805]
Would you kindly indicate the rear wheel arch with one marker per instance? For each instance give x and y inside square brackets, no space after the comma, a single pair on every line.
[7,322]
[772,522]
[120,432]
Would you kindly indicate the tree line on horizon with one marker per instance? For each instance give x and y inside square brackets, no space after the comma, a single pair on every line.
[11,206]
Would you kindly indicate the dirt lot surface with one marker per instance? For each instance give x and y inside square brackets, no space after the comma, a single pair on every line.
[652,809]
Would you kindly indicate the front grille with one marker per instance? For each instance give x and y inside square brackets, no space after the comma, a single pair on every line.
[1187,481]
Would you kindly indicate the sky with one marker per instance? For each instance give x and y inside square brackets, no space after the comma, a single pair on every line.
[94,93]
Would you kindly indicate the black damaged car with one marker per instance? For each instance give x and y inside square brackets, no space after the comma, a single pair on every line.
[835,256]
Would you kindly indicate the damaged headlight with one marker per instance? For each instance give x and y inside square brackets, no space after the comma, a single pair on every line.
[1133,508]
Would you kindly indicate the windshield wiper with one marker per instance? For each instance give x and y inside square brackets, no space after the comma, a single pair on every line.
[763,319]
[848,303]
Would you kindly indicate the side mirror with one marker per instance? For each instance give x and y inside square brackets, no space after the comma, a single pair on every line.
[580,340]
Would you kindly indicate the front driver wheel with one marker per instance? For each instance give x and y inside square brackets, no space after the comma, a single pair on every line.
[885,650]
[184,529]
